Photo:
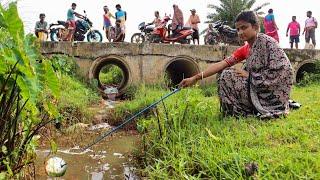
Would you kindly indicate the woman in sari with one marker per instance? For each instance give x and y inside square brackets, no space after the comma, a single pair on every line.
[270,26]
[177,19]
[263,87]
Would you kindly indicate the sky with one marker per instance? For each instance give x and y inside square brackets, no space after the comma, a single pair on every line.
[143,10]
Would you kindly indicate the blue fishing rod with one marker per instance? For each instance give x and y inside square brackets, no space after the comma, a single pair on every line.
[104,135]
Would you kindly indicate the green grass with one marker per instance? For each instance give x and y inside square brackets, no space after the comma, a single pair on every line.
[111,75]
[75,100]
[195,142]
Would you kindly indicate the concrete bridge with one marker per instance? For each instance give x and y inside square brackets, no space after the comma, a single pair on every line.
[149,63]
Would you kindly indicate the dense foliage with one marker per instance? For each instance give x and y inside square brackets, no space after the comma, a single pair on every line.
[30,95]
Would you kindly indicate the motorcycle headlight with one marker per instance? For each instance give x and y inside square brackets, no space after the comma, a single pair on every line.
[141,26]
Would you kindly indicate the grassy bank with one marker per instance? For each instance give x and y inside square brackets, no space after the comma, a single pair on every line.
[195,142]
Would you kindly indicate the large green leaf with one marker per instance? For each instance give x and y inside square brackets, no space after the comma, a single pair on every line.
[12,22]
[51,79]
[3,66]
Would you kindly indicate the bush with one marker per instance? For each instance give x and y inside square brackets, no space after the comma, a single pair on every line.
[311,77]
[75,99]
[111,75]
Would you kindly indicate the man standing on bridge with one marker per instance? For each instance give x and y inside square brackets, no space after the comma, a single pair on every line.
[193,21]
[294,28]
[122,17]
[310,27]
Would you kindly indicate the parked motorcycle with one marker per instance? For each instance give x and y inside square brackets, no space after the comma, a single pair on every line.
[146,30]
[210,37]
[225,34]
[59,31]
[159,34]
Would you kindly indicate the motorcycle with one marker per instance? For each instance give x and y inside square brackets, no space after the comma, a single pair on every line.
[211,37]
[59,31]
[225,34]
[159,34]
[146,30]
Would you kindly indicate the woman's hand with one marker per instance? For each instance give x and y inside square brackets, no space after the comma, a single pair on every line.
[188,82]
[242,73]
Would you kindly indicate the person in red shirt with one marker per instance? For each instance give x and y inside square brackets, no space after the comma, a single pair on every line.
[295,30]
[262,88]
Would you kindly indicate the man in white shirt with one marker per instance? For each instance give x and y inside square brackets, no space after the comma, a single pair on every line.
[310,26]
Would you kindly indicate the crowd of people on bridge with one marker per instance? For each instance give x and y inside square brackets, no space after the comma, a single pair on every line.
[311,24]
[117,33]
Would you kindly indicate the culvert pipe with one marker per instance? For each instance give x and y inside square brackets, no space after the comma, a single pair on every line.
[98,65]
[308,66]
[179,68]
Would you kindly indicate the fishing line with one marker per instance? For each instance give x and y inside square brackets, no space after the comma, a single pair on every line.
[104,135]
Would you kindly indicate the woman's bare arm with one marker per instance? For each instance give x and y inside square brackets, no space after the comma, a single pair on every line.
[211,70]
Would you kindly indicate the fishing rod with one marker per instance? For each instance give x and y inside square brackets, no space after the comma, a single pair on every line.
[104,135]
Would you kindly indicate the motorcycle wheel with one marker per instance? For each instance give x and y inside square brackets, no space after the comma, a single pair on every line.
[94,36]
[137,38]
[54,36]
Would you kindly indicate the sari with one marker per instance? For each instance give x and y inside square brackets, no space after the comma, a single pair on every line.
[270,28]
[266,91]
[177,19]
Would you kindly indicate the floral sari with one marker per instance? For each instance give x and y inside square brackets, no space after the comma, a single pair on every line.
[266,91]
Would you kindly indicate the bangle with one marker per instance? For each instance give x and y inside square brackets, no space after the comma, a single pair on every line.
[202,75]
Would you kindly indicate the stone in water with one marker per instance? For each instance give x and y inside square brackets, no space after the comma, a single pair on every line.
[56,167]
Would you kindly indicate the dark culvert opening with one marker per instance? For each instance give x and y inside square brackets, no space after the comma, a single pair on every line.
[111,73]
[179,69]
[306,68]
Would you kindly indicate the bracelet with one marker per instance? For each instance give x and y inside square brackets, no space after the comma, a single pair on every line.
[202,75]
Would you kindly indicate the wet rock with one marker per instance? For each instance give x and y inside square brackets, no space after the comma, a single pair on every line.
[110,104]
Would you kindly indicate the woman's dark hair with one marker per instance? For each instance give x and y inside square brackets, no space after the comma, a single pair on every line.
[73,4]
[270,11]
[248,16]
[118,6]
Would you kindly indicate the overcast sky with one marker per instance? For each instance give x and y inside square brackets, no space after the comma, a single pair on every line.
[142,10]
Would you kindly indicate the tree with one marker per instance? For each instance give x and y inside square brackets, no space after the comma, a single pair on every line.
[229,9]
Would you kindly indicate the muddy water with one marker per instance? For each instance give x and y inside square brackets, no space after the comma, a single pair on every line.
[110,159]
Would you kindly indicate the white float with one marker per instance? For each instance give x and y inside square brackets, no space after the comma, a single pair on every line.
[56,167]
